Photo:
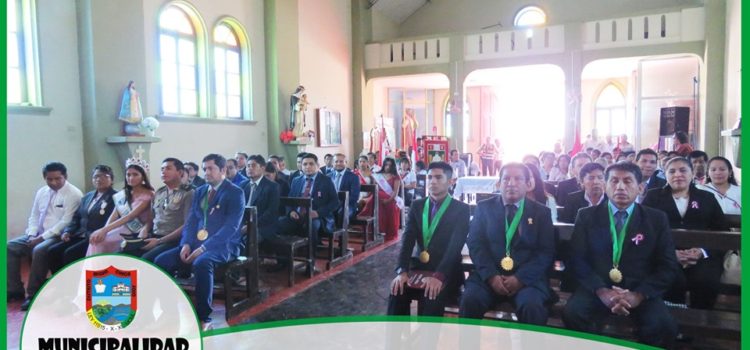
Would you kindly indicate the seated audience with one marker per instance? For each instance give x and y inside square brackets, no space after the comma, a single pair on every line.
[538,193]
[421,168]
[211,235]
[263,194]
[327,164]
[233,174]
[297,172]
[193,178]
[54,206]
[608,157]
[511,255]
[682,146]
[647,161]
[92,214]
[272,173]
[698,159]
[688,207]
[459,166]
[572,185]
[408,180]
[170,210]
[345,180]
[132,210]
[241,158]
[434,235]
[559,171]
[372,158]
[547,160]
[592,178]
[721,182]
[277,161]
[622,256]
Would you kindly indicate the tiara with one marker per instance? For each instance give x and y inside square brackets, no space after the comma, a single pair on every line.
[137,161]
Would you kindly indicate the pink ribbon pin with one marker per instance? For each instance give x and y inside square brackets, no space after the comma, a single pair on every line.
[694,205]
[637,239]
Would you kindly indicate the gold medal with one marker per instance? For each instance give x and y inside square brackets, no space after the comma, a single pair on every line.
[424,257]
[507,263]
[202,235]
[615,275]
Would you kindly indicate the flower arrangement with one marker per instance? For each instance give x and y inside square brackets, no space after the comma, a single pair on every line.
[149,125]
[286,136]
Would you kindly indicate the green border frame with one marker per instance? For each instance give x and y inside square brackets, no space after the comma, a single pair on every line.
[745,307]
[190,300]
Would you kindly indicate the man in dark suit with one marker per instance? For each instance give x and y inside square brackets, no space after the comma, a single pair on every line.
[512,244]
[211,235]
[433,246]
[96,206]
[345,180]
[297,172]
[263,194]
[328,166]
[311,184]
[193,178]
[277,161]
[623,257]
[592,178]
[572,185]
[648,161]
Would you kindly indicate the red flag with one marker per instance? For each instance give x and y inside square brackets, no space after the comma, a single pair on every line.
[577,146]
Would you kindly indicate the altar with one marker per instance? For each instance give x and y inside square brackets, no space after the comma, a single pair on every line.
[474,184]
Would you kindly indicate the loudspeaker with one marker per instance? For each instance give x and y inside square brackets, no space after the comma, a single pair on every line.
[674,119]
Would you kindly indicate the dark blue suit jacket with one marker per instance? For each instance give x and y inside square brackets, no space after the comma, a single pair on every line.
[349,183]
[648,267]
[224,212]
[86,221]
[266,200]
[325,199]
[532,247]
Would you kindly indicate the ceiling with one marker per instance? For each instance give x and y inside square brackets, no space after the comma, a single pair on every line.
[397,10]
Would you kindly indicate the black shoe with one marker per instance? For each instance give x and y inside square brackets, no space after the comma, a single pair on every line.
[280,266]
[16,296]
[26,304]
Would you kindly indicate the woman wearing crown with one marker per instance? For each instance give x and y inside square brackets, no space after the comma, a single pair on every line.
[131,210]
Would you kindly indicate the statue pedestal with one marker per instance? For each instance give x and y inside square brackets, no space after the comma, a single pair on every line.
[132,146]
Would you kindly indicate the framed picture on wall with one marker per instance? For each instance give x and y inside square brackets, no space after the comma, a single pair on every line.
[329,127]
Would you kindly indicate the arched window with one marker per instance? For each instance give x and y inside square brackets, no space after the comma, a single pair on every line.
[179,43]
[22,66]
[610,111]
[530,16]
[231,74]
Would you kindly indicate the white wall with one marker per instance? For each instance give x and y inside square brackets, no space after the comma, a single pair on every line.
[382,27]
[36,139]
[325,48]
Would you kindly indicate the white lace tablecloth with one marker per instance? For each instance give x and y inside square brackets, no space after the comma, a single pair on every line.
[475,184]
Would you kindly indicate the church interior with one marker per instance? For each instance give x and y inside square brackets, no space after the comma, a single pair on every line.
[100,81]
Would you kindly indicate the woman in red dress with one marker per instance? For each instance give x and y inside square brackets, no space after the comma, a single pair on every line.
[389,212]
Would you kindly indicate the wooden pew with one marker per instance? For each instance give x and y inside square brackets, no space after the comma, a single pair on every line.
[290,244]
[246,265]
[338,255]
[370,224]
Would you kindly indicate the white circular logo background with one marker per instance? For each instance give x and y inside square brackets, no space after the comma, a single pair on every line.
[60,309]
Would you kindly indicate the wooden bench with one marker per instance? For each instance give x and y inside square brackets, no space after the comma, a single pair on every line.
[369,223]
[336,256]
[291,243]
[718,323]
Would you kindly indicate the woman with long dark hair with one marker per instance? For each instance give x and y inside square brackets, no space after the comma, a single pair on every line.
[688,207]
[721,182]
[131,210]
[538,193]
[389,185]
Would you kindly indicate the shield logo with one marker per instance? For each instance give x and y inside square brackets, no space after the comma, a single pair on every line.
[111,297]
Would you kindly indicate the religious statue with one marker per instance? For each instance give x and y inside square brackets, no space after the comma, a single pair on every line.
[409,127]
[131,113]
[298,105]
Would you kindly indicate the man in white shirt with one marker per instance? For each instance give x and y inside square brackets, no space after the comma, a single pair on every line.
[458,165]
[53,209]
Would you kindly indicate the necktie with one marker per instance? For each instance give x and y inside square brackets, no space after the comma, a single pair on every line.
[339,175]
[620,217]
[510,212]
[43,213]
[211,193]
[253,185]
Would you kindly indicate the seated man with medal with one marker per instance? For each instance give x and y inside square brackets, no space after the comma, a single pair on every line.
[211,235]
[512,245]
[429,264]
[623,257]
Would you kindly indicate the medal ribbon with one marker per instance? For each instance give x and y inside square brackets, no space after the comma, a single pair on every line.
[429,229]
[205,209]
[510,230]
[617,241]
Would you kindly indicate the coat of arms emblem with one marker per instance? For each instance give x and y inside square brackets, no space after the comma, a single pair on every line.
[111,298]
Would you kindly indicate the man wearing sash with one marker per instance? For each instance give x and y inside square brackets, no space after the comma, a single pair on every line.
[431,247]
[211,235]
[512,245]
[623,258]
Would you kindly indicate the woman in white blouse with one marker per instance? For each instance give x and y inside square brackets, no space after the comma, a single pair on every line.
[723,185]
